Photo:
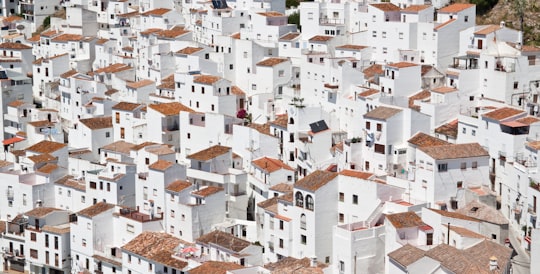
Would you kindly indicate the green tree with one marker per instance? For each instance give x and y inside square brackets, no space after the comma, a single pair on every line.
[295,19]
[46,22]
[292,3]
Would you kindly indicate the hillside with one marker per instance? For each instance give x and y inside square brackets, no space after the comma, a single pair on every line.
[507,11]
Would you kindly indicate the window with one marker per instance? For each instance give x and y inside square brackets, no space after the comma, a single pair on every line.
[33,237]
[280,243]
[303,221]
[84,242]
[46,240]
[355,199]
[401,35]
[474,165]
[56,242]
[379,148]
[459,184]
[464,130]
[341,196]
[299,199]
[280,224]
[379,127]
[442,167]
[130,228]
[341,217]
[368,125]
[516,85]
[93,185]
[466,19]
[33,253]
[374,34]
[303,239]
[464,165]
[117,117]
[384,34]
[172,213]
[341,267]
[254,87]
[473,132]
[309,202]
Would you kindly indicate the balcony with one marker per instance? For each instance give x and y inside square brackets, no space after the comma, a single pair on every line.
[10,194]
[331,21]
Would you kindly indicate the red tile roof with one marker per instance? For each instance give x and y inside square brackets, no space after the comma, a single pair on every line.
[421,139]
[170,109]
[356,174]
[209,153]
[158,247]
[386,7]
[46,147]
[207,191]
[405,220]
[455,151]
[502,113]
[156,12]
[95,210]
[315,180]
[455,8]
[270,165]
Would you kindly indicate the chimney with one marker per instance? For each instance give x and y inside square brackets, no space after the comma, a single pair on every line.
[502,24]
[313,262]
[493,265]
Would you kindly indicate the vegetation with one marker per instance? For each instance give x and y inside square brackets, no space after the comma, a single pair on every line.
[292,3]
[46,22]
[295,19]
[483,6]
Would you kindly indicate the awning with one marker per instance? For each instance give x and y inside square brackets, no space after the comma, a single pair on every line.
[12,140]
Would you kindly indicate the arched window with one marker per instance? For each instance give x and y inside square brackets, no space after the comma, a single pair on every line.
[291,121]
[303,221]
[309,202]
[299,199]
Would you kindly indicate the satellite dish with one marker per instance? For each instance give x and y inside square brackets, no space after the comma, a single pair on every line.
[20,27]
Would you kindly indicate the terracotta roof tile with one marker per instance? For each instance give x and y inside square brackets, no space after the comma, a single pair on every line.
[41,158]
[272,14]
[502,113]
[97,122]
[351,47]
[58,229]
[367,93]
[35,38]
[113,68]
[386,7]
[158,247]
[50,33]
[224,240]
[421,139]
[415,8]
[455,151]
[47,168]
[270,165]
[178,186]
[237,91]
[189,50]
[156,12]
[67,37]
[406,255]
[444,89]
[282,188]
[150,31]
[172,33]
[270,62]
[356,174]
[161,165]
[455,8]
[233,36]
[46,147]
[40,212]
[464,232]
[382,113]
[262,128]
[483,212]
[143,145]
[101,41]
[16,103]
[209,153]
[528,120]
[423,95]
[126,106]
[139,84]
[320,38]
[206,79]
[315,180]
[281,121]
[454,215]
[12,18]
[68,73]
[10,45]
[207,191]
[214,267]
[405,220]
[401,65]
[373,70]
[296,266]
[289,36]
[448,129]
[69,181]
[487,29]
[95,210]
[440,26]
[119,146]
[170,109]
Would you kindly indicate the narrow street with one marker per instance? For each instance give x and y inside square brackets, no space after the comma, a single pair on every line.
[522,261]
